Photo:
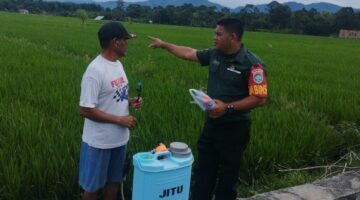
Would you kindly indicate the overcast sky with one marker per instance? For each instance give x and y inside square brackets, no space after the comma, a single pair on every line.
[236,3]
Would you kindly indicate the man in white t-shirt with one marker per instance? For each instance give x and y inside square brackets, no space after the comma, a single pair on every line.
[104,103]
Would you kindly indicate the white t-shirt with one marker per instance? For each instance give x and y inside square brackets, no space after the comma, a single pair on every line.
[105,86]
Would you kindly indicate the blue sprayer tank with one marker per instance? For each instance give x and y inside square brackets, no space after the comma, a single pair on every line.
[163,175]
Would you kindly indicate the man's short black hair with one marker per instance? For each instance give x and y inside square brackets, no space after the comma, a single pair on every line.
[110,31]
[232,25]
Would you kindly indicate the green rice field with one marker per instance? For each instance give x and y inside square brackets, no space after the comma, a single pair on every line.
[311,118]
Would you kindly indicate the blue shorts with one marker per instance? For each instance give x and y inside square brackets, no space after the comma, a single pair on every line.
[100,166]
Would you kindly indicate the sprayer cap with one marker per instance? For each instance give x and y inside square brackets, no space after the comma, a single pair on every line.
[179,149]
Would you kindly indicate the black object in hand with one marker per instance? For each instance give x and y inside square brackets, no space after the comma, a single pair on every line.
[138,89]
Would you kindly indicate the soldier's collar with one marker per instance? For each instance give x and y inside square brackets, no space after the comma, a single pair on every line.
[238,57]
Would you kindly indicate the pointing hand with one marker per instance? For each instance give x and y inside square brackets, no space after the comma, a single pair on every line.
[156,42]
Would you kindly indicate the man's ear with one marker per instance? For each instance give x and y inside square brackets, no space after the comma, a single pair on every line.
[114,42]
[234,36]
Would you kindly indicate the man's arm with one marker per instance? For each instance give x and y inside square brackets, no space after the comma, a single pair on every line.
[247,103]
[97,115]
[186,53]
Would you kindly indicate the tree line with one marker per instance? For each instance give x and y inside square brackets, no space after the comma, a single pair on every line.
[278,18]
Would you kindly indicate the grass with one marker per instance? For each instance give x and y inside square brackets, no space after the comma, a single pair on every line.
[311,118]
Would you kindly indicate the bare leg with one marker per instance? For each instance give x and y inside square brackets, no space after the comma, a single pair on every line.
[110,191]
[90,196]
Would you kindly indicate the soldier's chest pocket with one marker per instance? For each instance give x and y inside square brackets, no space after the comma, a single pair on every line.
[233,74]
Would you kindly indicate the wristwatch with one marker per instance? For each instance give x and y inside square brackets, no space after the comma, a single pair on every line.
[229,108]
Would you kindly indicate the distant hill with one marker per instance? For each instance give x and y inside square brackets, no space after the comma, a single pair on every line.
[294,6]
[110,4]
[323,7]
[72,1]
[150,3]
[163,3]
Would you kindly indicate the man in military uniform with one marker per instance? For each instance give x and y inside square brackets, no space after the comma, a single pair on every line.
[237,83]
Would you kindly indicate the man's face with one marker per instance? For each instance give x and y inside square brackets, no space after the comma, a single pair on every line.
[120,47]
[222,39]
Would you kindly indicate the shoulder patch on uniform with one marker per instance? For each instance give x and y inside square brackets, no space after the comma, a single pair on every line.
[257,81]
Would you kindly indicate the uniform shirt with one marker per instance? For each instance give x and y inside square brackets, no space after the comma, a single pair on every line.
[234,77]
[105,86]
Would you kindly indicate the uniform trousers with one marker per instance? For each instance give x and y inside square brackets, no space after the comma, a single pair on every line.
[220,148]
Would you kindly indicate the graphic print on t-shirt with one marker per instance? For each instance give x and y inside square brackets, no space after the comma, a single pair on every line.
[121,92]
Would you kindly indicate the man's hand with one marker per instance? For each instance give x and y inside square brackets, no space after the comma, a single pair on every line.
[156,42]
[135,103]
[218,111]
[127,121]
